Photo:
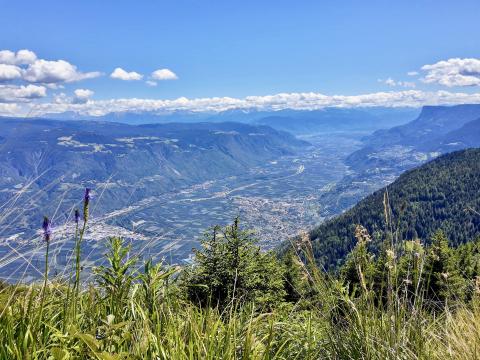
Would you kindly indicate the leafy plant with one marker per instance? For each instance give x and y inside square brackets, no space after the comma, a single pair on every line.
[116,280]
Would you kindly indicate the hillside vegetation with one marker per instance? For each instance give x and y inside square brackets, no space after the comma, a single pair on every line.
[441,194]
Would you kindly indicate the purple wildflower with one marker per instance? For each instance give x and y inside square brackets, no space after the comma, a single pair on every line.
[77,216]
[47,229]
[86,198]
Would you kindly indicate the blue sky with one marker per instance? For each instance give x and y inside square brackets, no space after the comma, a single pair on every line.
[243,48]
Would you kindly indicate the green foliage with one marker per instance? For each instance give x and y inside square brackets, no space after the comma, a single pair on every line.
[295,284]
[440,195]
[444,281]
[153,281]
[116,279]
[438,275]
[231,269]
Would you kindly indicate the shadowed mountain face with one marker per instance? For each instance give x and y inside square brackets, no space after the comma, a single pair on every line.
[437,130]
[432,123]
[465,137]
[55,158]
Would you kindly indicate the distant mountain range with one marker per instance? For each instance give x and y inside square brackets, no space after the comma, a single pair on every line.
[336,120]
[437,130]
[47,160]
[443,194]
[294,121]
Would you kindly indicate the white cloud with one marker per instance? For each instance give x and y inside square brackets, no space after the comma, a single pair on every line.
[44,71]
[164,74]
[7,57]
[54,86]
[121,74]
[9,72]
[25,57]
[297,101]
[407,84]
[20,58]
[9,109]
[453,72]
[390,82]
[151,83]
[412,73]
[24,64]
[61,98]
[393,83]
[82,95]
[13,93]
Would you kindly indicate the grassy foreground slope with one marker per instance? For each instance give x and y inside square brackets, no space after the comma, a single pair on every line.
[441,194]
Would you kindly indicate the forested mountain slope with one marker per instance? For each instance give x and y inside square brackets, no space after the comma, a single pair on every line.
[442,194]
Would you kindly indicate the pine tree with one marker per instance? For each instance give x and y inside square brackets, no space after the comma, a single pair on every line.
[230,269]
[444,282]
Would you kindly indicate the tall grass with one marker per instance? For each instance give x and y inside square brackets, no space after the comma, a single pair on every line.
[131,314]
[148,318]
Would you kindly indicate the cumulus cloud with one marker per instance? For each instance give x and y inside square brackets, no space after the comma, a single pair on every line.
[164,74]
[151,83]
[82,95]
[61,98]
[24,65]
[9,72]
[7,57]
[22,57]
[44,71]
[393,83]
[412,73]
[13,93]
[453,72]
[25,57]
[121,74]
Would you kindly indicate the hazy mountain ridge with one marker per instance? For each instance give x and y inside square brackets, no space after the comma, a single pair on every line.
[336,119]
[433,121]
[424,138]
[295,121]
